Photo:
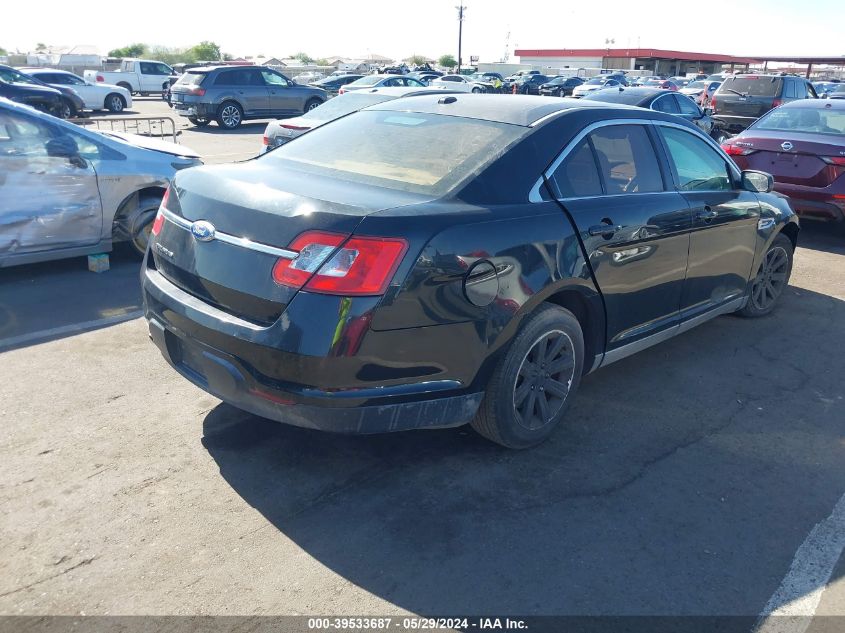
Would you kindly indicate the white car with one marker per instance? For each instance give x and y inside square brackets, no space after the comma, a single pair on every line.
[97,96]
[459,83]
[596,83]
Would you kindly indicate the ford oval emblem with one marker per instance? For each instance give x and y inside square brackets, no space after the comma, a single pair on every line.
[786,146]
[202,230]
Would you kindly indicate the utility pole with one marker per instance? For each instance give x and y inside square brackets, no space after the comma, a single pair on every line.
[461,8]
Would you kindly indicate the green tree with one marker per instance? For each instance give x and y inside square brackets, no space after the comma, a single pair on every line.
[322,62]
[417,60]
[205,51]
[133,50]
[447,61]
[305,58]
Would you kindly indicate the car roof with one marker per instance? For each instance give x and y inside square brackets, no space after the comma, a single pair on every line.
[403,91]
[629,96]
[521,110]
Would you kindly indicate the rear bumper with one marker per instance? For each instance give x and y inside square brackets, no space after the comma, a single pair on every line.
[194,109]
[259,372]
[813,203]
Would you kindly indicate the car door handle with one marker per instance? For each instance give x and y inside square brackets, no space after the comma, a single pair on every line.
[707,214]
[605,230]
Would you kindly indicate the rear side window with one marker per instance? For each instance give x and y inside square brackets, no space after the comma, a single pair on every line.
[753,86]
[790,90]
[665,103]
[626,159]
[191,79]
[698,166]
[242,77]
[686,105]
[578,175]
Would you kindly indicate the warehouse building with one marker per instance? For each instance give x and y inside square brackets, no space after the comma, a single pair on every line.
[653,60]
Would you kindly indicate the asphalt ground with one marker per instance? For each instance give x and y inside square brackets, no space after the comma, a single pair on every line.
[703,476]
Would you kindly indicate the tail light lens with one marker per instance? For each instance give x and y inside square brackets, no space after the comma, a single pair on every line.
[196,91]
[776,103]
[331,263]
[713,102]
[341,91]
[294,127]
[736,150]
[159,221]
[266,140]
[100,79]
[834,160]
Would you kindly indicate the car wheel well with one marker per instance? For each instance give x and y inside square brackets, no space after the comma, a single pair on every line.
[575,302]
[134,208]
[791,231]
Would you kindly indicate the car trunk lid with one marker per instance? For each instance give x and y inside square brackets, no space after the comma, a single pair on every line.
[792,157]
[264,209]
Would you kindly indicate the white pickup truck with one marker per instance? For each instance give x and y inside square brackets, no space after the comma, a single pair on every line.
[138,76]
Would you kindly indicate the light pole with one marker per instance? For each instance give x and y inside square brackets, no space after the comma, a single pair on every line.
[461,8]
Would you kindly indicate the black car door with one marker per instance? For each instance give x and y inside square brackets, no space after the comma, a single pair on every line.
[635,230]
[724,231]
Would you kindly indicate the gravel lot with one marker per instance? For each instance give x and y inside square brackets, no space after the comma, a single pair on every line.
[685,482]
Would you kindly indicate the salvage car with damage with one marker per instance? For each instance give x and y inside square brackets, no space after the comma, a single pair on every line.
[66,191]
[363,279]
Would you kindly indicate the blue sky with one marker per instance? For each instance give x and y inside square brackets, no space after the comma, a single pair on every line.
[400,28]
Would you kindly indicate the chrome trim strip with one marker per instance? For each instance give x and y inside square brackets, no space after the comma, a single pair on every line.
[632,348]
[226,238]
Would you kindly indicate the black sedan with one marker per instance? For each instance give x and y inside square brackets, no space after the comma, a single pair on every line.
[661,101]
[361,279]
[527,84]
[560,86]
[333,84]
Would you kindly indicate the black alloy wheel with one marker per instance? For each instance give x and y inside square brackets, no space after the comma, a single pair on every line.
[771,279]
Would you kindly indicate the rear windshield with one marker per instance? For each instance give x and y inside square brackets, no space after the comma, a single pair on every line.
[398,150]
[191,79]
[753,86]
[367,81]
[343,105]
[809,120]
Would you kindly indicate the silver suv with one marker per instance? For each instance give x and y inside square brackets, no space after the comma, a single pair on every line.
[233,94]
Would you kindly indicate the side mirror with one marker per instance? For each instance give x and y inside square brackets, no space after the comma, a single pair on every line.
[757,181]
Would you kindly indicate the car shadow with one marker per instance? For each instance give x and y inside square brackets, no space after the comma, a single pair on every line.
[682,482]
[828,237]
[52,300]
[247,127]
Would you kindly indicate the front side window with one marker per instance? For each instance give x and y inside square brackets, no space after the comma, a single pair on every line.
[626,159]
[272,79]
[686,105]
[698,166]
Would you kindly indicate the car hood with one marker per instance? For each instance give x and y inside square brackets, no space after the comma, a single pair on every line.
[47,90]
[154,144]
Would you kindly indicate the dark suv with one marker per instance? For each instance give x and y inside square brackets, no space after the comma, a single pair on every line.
[742,99]
[233,94]
[16,86]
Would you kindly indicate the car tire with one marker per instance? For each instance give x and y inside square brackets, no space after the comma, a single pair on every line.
[546,357]
[311,104]
[771,279]
[476,90]
[199,122]
[143,224]
[68,109]
[115,103]
[229,115]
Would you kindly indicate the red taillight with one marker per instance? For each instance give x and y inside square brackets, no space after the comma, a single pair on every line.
[776,103]
[341,91]
[362,266]
[834,160]
[100,78]
[157,223]
[294,127]
[713,102]
[266,140]
[196,91]
[736,150]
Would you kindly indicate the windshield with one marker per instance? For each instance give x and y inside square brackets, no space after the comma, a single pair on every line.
[398,150]
[756,86]
[343,105]
[840,89]
[372,80]
[12,76]
[697,84]
[808,120]
[191,79]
